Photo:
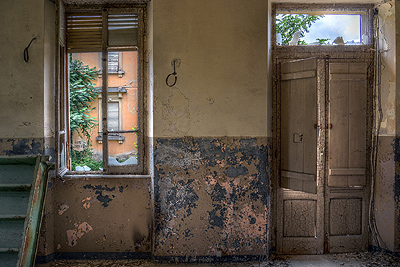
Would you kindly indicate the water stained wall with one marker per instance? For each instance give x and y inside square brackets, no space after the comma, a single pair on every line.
[211,198]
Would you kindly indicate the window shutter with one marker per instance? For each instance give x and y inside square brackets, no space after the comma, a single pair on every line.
[122,29]
[84,32]
[113,116]
[113,61]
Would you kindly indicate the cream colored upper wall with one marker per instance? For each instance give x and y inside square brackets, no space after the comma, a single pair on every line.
[21,83]
[222,79]
[387,48]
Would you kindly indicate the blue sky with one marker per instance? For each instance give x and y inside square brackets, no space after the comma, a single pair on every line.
[332,26]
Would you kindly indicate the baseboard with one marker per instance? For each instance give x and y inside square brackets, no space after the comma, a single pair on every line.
[210,259]
[92,256]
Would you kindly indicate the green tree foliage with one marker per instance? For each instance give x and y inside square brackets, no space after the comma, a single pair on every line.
[288,24]
[82,94]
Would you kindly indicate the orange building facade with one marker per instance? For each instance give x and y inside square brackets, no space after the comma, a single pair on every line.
[122,106]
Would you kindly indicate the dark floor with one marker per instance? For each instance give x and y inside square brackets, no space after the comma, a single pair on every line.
[347,259]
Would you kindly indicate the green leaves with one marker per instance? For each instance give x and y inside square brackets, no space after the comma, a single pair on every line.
[288,24]
[82,94]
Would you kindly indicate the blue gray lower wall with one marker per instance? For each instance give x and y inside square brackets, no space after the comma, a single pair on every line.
[21,146]
[211,198]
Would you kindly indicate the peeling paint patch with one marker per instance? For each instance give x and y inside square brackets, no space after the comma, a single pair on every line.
[74,234]
[86,203]
[101,193]
[396,150]
[22,146]
[211,195]
[63,208]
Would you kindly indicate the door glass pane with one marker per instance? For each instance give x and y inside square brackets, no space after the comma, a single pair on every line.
[85,111]
[123,110]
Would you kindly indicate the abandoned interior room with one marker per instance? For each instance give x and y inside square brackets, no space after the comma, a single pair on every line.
[187,131]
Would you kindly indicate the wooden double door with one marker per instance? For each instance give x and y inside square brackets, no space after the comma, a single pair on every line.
[323,125]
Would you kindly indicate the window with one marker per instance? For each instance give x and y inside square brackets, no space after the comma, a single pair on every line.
[105,128]
[114,64]
[322,25]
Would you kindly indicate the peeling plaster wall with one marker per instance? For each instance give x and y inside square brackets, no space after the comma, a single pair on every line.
[397,140]
[387,148]
[211,198]
[211,176]
[102,216]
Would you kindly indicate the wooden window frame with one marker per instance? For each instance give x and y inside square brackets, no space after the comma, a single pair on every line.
[142,167]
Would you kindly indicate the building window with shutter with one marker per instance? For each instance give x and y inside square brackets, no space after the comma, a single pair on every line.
[106,127]
[114,64]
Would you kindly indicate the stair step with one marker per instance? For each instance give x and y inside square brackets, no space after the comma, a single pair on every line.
[15,187]
[16,174]
[9,249]
[11,233]
[8,259]
[14,202]
[12,217]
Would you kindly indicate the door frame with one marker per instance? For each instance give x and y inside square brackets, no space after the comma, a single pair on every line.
[328,54]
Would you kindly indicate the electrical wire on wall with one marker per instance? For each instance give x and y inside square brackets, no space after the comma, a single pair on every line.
[378,116]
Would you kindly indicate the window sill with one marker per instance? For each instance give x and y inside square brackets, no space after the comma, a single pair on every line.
[83,175]
[118,138]
[120,73]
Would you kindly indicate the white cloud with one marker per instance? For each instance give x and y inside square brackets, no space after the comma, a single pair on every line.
[332,26]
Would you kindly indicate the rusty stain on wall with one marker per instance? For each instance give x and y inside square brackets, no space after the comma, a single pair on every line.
[211,196]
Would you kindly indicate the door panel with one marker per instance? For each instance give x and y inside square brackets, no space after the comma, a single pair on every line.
[347,193]
[347,115]
[300,220]
[323,198]
[298,117]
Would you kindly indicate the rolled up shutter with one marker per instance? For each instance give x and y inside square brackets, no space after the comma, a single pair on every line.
[84,32]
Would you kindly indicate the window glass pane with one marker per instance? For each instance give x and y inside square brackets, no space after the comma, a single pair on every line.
[332,29]
[123,111]
[85,93]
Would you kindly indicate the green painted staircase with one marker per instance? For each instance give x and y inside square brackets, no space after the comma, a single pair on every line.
[23,181]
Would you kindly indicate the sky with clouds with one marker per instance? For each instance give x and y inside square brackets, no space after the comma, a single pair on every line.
[332,26]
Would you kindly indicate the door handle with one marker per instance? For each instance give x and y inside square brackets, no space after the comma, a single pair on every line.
[297,138]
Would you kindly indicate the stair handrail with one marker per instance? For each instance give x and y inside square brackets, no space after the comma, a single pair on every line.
[27,251]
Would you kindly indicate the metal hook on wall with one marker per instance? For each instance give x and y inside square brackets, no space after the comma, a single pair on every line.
[176,63]
[26,52]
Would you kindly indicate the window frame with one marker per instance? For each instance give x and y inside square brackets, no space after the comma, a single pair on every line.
[142,167]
